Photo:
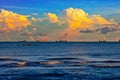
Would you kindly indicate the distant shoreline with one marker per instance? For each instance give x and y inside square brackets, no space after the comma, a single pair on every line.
[61,42]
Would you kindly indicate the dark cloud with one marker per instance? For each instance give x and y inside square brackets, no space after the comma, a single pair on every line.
[106,30]
[103,30]
[87,31]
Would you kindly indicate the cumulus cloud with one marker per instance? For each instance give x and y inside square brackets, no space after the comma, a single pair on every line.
[97,19]
[52,17]
[79,19]
[13,21]
[72,22]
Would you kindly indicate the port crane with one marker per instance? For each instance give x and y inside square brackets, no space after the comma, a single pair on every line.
[63,37]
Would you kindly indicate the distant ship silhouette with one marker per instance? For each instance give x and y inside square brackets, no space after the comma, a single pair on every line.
[103,41]
[61,41]
[22,41]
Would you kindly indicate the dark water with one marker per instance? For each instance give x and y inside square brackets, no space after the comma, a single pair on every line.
[60,61]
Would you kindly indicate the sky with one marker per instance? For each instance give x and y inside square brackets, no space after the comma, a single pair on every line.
[50,20]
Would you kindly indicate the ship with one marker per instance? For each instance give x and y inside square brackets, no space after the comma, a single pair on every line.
[22,41]
[103,41]
[61,41]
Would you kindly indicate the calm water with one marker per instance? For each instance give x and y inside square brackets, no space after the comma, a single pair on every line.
[59,61]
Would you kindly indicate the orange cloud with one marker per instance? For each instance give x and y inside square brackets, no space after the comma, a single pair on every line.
[74,19]
[52,17]
[79,19]
[100,20]
[13,21]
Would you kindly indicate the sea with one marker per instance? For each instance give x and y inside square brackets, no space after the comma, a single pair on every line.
[59,60]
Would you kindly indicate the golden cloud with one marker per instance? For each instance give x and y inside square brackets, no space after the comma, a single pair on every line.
[74,19]
[13,21]
[52,17]
[99,20]
[78,18]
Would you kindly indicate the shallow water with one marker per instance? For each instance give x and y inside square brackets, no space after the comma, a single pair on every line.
[59,61]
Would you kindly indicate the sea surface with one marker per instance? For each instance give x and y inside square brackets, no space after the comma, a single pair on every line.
[60,61]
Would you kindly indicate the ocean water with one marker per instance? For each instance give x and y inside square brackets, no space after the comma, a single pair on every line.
[60,61]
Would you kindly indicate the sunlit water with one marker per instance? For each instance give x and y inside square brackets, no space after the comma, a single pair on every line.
[59,61]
